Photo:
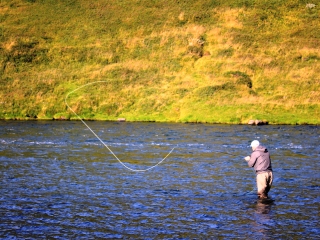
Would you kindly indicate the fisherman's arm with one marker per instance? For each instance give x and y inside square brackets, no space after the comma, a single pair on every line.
[251,160]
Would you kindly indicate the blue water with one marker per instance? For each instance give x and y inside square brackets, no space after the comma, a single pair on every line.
[58,181]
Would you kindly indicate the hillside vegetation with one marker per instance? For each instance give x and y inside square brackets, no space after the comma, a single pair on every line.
[217,61]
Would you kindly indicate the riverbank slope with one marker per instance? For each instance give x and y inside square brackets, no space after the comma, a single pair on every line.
[179,61]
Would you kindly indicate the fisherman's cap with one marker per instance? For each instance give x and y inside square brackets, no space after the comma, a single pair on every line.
[255,143]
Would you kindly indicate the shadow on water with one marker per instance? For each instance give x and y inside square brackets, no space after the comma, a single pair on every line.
[58,181]
[264,221]
[264,207]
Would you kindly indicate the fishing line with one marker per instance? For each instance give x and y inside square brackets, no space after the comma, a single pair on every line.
[131,169]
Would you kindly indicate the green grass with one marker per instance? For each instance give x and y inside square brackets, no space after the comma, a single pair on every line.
[179,61]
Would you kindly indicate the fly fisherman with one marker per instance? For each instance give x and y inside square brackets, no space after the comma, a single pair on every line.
[261,162]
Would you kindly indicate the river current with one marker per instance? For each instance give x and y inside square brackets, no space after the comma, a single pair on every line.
[58,181]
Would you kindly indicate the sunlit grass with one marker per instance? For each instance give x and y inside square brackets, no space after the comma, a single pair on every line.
[165,61]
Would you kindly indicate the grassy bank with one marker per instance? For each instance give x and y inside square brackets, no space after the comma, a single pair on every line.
[180,61]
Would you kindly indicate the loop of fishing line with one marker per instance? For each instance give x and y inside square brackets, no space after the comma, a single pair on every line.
[131,169]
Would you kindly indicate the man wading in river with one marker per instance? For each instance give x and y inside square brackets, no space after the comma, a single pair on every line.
[261,162]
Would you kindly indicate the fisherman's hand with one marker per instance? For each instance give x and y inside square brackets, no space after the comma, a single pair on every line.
[247,158]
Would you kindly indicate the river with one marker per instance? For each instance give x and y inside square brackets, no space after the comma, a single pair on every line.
[58,181]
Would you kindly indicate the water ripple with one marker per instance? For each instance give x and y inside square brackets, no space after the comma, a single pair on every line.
[58,182]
